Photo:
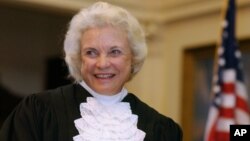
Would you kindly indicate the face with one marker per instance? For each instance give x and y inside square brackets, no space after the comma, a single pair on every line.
[106,59]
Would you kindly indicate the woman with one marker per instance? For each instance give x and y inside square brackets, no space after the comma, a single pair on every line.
[104,48]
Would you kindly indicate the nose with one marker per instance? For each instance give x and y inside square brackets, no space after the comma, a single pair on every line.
[103,62]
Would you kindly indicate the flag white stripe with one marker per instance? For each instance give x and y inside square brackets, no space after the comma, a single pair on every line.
[229,75]
[241,117]
[228,100]
[223,124]
[212,117]
[241,90]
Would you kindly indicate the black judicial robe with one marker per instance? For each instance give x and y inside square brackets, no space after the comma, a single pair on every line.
[49,116]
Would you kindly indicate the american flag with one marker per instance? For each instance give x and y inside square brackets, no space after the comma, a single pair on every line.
[229,104]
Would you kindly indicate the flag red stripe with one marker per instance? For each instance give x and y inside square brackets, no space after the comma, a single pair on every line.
[212,132]
[226,112]
[242,104]
[222,136]
[228,87]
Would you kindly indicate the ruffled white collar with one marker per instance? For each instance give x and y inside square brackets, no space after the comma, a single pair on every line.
[107,122]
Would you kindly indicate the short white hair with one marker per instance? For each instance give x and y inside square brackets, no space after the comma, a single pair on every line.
[98,15]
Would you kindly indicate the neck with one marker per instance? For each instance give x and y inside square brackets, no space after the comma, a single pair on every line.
[105,99]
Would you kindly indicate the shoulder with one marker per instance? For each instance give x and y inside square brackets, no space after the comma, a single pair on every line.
[42,102]
[38,112]
[48,97]
[154,123]
[57,92]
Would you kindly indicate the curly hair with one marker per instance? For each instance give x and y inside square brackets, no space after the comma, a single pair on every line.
[102,14]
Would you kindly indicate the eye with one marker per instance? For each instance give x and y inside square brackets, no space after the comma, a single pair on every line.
[90,53]
[115,52]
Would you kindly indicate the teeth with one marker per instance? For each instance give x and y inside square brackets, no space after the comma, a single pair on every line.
[104,75]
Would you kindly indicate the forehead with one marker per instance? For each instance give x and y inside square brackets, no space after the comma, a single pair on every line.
[107,35]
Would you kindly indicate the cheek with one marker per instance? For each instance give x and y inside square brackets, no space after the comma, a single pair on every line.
[85,65]
[125,64]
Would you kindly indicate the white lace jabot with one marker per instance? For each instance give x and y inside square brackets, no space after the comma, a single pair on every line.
[101,122]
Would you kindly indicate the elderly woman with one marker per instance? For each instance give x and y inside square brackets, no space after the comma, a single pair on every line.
[104,48]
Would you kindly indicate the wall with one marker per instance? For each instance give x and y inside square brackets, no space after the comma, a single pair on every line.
[27,39]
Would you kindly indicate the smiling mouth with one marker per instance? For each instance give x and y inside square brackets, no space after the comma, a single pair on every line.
[104,76]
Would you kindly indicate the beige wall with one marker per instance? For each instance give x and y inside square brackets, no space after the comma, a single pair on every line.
[172,26]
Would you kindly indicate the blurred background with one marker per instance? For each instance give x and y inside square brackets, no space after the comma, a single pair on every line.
[175,79]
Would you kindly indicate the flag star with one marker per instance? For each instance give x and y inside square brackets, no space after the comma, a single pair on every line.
[222,62]
[217,101]
[238,54]
[224,24]
[216,89]
[220,50]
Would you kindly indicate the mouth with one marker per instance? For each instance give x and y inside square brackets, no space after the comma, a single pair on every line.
[104,76]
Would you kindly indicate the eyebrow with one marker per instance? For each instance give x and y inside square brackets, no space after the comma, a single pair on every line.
[82,50]
[114,47]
